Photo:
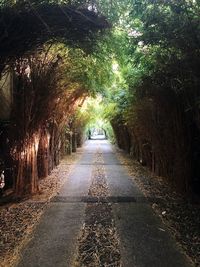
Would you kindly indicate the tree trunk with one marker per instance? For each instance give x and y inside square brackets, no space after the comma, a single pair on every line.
[69,143]
[74,142]
[79,139]
[27,174]
[43,155]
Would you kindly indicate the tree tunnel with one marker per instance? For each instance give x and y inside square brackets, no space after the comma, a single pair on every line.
[129,69]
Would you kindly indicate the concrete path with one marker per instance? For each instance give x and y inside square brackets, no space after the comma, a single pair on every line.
[144,240]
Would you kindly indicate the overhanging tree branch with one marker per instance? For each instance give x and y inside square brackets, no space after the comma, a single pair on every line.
[25,29]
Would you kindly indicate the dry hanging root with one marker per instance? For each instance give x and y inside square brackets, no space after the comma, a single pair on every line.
[99,243]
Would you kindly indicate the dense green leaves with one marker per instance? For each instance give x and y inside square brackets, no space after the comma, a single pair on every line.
[154,97]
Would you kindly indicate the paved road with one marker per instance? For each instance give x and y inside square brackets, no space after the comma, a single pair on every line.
[144,240]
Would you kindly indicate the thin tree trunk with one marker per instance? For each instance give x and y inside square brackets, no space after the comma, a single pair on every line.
[43,155]
[74,142]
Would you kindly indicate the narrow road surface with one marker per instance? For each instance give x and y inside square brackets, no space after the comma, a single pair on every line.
[143,241]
